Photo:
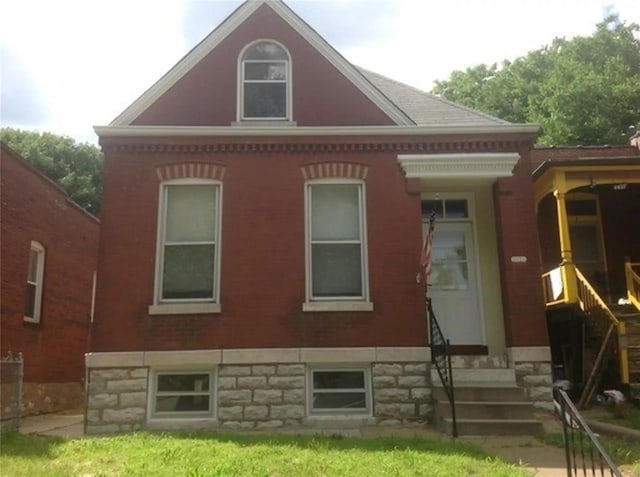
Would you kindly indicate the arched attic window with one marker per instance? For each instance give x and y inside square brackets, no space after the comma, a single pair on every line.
[265,76]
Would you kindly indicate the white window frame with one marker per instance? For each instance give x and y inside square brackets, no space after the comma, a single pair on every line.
[189,305]
[241,81]
[153,394]
[337,303]
[366,370]
[40,252]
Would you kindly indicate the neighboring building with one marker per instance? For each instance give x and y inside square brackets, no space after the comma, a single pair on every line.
[49,248]
[263,216]
[588,202]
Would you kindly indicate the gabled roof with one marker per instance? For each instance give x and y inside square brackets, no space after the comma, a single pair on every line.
[426,109]
[243,12]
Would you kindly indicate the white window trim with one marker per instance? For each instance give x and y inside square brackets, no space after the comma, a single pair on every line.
[323,304]
[240,119]
[39,283]
[152,394]
[185,306]
[367,411]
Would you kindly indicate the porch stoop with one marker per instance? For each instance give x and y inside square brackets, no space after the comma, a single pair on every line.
[488,402]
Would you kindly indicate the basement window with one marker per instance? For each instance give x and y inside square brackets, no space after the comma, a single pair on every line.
[339,391]
[182,394]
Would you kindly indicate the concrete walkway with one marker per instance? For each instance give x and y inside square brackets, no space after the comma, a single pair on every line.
[63,424]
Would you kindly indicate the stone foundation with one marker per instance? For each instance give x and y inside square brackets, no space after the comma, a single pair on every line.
[259,397]
[117,400]
[42,398]
[535,378]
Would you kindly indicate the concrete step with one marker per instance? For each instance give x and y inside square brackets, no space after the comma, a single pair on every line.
[487,410]
[482,394]
[493,427]
[478,377]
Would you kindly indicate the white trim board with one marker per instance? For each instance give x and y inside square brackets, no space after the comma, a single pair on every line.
[227,27]
[291,130]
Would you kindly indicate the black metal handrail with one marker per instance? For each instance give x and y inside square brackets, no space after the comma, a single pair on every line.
[441,358]
[583,451]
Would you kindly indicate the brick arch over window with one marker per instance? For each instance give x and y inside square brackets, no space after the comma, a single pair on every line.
[196,170]
[334,169]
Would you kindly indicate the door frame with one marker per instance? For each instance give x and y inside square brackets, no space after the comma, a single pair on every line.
[471,212]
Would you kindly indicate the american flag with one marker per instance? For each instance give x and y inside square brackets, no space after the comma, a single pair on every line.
[425,259]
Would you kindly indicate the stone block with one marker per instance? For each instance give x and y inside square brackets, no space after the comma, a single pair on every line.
[524,368]
[139,373]
[234,371]
[540,393]
[418,368]
[252,382]
[395,410]
[93,417]
[125,385]
[389,422]
[387,369]
[136,399]
[109,374]
[238,425]
[230,413]
[227,383]
[412,381]
[101,401]
[293,396]
[391,395]
[256,412]
[123,416]
[291,411]
[97,386]
[263,370]
[240,396]
[267,396]
[269,424]
[102,429]
[290,370]
[543,368]
[286,382]
[537,380]
[384,381]
[425,410]
[420,394]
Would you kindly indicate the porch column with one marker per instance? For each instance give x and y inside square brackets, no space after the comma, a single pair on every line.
[569,279]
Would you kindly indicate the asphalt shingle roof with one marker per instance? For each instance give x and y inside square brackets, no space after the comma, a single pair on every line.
[426,109]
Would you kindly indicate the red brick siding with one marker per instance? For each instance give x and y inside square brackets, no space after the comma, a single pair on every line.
[206,96]
[263,267]
[35,209]
[521,284]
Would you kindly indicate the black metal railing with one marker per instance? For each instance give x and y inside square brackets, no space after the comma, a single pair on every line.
[583,451]
[441,358]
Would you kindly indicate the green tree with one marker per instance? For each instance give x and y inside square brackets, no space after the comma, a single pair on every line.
[76,167]
[581,91]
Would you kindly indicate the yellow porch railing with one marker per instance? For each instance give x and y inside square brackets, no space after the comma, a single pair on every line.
[633,282]
[566,285]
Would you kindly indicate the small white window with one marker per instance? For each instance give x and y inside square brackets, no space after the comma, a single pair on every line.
[189,238]
[339,391]
[35,278]
[265,82]
[336,250]
[182,394]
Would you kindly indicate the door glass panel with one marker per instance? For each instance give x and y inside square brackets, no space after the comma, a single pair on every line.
[450,268]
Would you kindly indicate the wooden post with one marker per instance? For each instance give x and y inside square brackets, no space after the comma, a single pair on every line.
[569,279]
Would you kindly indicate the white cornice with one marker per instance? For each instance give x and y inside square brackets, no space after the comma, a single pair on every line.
[464,165]
[229,25]
[275,131]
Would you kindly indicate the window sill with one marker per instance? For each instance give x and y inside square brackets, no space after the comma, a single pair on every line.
[184,309]
[28,319]
[319,306]
[264,123]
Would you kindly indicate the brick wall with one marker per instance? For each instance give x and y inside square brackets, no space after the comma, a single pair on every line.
[33,208]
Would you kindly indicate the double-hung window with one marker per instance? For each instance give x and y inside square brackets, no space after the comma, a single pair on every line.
[189,244]
[336,250]
[265,82]
[35,279]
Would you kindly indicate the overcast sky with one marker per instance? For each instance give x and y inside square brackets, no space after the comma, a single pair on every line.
[69,65]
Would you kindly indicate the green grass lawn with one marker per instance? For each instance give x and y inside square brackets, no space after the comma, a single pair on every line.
[198,455]
[624,452]
[631,420]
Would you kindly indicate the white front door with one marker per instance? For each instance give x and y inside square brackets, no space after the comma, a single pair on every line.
[454,284]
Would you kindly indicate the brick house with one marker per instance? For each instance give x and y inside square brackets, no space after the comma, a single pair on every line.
[49,255]
[263,219]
